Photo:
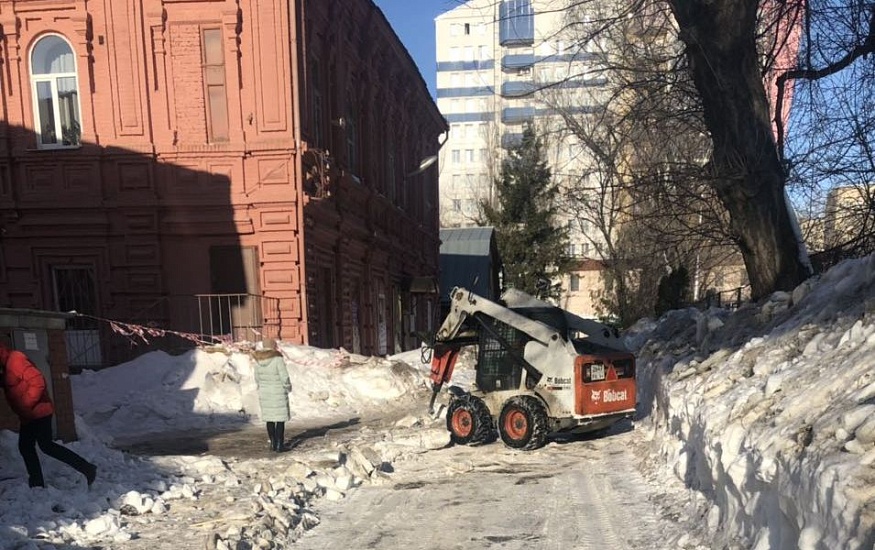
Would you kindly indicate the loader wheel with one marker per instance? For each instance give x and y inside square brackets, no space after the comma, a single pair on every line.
[469,421]
[523,423]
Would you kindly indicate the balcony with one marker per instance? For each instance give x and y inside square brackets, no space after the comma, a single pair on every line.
[515,62]
[517,88]
[517,115]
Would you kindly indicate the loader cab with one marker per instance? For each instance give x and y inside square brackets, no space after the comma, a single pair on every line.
[498,364]
[497,367]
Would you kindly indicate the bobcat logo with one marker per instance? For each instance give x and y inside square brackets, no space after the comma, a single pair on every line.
[595,396]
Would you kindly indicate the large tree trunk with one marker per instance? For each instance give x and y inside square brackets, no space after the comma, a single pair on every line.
[720,39]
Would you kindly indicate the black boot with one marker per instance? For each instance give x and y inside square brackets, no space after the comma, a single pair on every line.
[271,434]
[279,432]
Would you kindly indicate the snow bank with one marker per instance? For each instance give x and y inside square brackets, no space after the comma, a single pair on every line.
[768,412]
[159,393]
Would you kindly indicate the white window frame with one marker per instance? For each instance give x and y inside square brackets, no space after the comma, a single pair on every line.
[52,79]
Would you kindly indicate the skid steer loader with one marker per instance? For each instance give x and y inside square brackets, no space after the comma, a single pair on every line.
[540,370]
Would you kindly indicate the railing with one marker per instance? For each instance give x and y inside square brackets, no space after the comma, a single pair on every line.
[726,299]
[173,324]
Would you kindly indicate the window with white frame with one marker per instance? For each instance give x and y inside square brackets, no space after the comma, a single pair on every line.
[55,90]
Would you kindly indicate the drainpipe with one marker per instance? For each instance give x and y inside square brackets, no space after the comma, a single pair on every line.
[296,15]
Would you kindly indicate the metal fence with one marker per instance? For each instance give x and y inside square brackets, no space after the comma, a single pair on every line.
[173,324]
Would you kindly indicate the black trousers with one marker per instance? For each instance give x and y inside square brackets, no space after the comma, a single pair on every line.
[39,432]
[276,433]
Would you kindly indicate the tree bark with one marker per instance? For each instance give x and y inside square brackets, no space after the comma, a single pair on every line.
[720,40]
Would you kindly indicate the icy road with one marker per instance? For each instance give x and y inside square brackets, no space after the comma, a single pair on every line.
[576,494]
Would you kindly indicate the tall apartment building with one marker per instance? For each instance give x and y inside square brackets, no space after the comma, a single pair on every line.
[501,65]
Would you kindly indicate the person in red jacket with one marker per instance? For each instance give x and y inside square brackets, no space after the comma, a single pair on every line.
[27,395]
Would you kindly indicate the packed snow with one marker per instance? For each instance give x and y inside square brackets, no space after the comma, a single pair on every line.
[767,412]
[759,421]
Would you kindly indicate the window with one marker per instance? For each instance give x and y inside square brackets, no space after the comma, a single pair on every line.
[467,29]
[317,119]
[455,53]
[457,181]
[572,250]
[575,283]
[469,155]
[469,53]
[455,80]
[352,145]
[484,52]
[456,156]
[455,29]
[517,22]
[390,170]
[484,156]
[481,28]
[214,85]
[457,205]
[56,93]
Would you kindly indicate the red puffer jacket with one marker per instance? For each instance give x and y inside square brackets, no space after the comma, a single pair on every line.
[25,387]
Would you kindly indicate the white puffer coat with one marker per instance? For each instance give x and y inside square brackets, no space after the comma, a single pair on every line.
[274,385]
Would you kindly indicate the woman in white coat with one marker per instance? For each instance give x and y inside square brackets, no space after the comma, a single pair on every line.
[274,386]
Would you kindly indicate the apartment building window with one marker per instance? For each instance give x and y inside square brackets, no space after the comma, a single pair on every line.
[470,206]
[484,155]
[55,87]
[469,53]
[455,80]
[575,283]
[485,53]
[457,181]
[469,155]
[572,250]
[457,205]
[517,22]
[455,53]
[481,28]
[455,29]
[467,29]
[584,249]
[214,85]
[456,156]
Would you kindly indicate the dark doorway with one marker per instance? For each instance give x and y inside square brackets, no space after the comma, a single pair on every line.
[235,304]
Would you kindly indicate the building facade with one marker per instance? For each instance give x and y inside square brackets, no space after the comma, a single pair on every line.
[502,65]
[159,150]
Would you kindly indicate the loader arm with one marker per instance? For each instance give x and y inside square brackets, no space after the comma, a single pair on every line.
[464,304]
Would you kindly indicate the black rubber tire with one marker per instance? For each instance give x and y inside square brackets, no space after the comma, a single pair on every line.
[469,421]
[523,423]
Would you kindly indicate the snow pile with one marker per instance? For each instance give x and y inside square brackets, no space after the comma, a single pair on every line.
[159,393]
[767,412]
[263,503]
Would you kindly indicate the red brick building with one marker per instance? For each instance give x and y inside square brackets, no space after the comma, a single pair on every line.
[154,150]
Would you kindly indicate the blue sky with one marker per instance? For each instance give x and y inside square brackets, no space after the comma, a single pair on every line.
[413,21]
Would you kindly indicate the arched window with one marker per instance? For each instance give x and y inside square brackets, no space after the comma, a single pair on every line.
[56,93]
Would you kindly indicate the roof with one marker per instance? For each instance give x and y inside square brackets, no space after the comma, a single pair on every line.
[467,241]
